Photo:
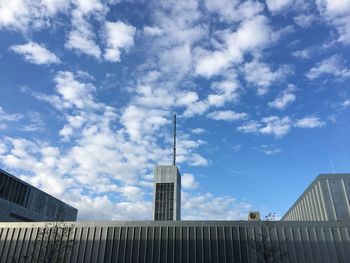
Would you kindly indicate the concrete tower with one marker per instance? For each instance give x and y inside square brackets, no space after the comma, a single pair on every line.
[167,193]
[167,189]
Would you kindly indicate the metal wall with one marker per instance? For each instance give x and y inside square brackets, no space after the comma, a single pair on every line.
[326,199]
[20,201]
[178,241]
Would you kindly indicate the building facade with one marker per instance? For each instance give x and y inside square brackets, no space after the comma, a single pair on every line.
[167,193]
[176,242]
[326,199]
[20,201]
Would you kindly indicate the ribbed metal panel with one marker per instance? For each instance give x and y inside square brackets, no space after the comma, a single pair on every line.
[326,199]
[184,241]
[20,201]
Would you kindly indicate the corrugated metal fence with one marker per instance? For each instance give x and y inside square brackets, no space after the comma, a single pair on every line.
[181,241]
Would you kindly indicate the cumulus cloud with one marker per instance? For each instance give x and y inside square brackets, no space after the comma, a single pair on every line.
[188,181]
[230,11]
[153,31]
[262,76]
[227,115]
[81,38]
[309,122]
[305,20]
[198,130]
[337,13]
[252,34]
[206,206]
[250,127]
[305,53]
[345,103]
[329,66]
[279,126]
[269,149]
[118,36]
[223,91]
[5,116]
[36,53]
[275,126]
[23,15]
[285,99]
[276,6]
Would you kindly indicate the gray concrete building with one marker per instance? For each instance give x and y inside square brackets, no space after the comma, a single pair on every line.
[167,193]
[22,202]
[176,242]
[326,199]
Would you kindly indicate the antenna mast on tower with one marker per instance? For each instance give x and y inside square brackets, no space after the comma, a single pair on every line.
[174,144]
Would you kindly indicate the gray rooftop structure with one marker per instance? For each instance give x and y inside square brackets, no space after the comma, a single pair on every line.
[167,193]
[326,199]
[176,242]
[22,202]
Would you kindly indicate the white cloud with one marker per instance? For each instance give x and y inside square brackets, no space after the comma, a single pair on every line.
[198,107]
[250,127]
[36,53]
[262,76]
[153,31]
[74,93]
[282,101]
[276,6]
[89,6]
[227,115]
[224,91]
[275,126]
[24,15]
[279,126]
[237,148]
[118,36]
[140,122]
[345,103]
[198,131]
[5,116]
[251,35]
[206,206]
[272,125]
[305,20]
[337,13]
[303,53]
[81,38]
[176,60]
[269,149]
[330,66]
[188,181]
[285,99]
[55,6]
[309,122]
[230,11]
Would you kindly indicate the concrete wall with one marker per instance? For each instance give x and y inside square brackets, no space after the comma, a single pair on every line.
[178,241]
[326,199]
[169,174]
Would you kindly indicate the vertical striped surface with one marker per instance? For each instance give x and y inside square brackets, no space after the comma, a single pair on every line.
[326,199]
[183,241]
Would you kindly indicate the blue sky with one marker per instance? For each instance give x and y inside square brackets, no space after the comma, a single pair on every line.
[89,87]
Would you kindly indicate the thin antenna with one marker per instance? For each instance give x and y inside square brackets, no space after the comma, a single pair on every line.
[332,166]
[174,145]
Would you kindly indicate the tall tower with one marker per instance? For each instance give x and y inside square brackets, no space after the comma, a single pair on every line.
[167,189]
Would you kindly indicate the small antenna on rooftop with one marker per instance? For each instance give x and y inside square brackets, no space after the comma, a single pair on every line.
[332,166]
[174,144]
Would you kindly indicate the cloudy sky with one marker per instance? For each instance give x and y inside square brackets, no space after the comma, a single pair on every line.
[88,89]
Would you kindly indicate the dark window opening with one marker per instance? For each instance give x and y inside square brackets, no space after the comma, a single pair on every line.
[164,203]
[20,218]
